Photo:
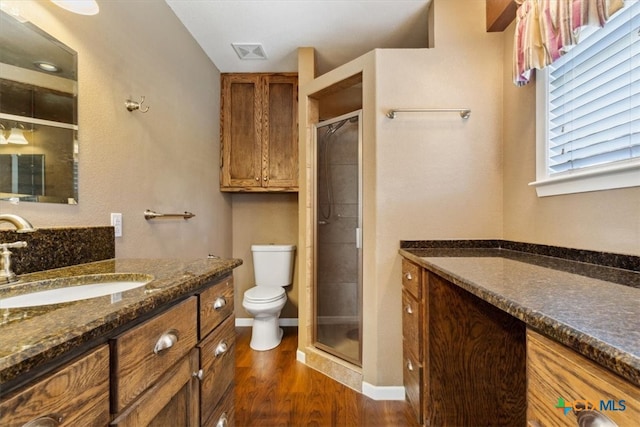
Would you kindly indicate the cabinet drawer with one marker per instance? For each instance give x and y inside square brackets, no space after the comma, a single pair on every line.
[411,278]
[145,352]
[217,361]
[555,371]
[412,321]
[223,414]
[216,304]
[77,394]
[412,379]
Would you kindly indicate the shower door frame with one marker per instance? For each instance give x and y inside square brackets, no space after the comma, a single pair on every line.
[359,238]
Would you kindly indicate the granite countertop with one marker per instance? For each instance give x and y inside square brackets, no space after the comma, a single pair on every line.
[33,337]
[592,309]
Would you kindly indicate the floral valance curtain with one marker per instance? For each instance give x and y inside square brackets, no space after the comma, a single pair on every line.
[546,28]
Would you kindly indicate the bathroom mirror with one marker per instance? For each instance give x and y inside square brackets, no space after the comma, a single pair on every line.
[38,115]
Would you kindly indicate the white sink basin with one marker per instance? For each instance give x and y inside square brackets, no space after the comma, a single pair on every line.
[75,289]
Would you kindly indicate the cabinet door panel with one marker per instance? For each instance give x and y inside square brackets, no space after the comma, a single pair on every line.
[172,401]
[241,127]
[280,131]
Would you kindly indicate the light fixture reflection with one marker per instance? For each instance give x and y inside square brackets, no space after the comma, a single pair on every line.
[81,7]
[17,137]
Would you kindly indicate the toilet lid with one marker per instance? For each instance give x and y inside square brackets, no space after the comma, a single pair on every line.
[264,294]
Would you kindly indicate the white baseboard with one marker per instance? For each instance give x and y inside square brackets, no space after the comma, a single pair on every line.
[383,393]
[301,356]
[248,322]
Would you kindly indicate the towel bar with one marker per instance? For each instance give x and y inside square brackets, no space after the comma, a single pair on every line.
[464,112]
[149,214]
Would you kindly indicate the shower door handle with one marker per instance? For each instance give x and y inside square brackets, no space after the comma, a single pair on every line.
[358,238]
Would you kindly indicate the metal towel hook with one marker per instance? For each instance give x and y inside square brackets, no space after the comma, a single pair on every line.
[133,105]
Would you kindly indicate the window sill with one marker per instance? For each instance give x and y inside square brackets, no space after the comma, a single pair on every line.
[608,178]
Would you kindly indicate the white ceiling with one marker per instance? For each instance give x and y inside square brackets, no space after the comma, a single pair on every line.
[339,30]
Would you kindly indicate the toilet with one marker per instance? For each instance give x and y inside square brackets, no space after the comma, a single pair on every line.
[273,270]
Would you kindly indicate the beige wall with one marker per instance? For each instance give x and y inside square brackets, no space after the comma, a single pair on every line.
[437,176]
[263,219]
[603,220]
[165,160]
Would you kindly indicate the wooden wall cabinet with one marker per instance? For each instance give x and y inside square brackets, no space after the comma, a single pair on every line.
[259,132]
[469,357]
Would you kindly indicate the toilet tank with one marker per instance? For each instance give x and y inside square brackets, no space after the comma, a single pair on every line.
[273,264]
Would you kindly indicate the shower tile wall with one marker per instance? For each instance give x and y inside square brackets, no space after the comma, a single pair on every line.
[338,260]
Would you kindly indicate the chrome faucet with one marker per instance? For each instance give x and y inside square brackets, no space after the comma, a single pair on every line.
[6,274]
[21,224]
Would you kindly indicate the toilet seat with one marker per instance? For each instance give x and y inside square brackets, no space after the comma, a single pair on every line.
[264,294]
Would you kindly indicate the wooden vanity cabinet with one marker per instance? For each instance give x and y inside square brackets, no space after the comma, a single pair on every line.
[173,369]
[555,371]
[76,394]
[469,355]
[259,132]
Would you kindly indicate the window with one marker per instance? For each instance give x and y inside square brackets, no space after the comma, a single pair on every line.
[589,111]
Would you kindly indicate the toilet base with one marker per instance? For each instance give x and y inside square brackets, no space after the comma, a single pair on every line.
[266,334]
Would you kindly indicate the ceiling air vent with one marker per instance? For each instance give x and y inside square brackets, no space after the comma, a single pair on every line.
[249,50]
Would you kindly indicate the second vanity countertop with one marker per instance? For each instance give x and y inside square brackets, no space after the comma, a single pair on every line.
[32,337]
[592,309]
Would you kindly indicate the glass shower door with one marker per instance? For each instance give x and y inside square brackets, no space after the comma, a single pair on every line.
[338,252]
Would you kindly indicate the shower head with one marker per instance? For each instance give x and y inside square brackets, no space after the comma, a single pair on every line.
[333,127]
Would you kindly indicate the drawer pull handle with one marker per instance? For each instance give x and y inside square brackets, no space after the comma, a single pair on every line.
[166,341]
[408,276]
[408,309]
[222,421]
[46,421]
[219,303]
[409,365]
[221,349]
[199,374]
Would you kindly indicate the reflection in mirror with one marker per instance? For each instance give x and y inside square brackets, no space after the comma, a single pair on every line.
[38,115]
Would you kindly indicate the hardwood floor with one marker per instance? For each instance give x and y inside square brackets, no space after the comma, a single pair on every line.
[273,389]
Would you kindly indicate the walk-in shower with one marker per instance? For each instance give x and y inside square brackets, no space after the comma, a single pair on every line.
[338,241]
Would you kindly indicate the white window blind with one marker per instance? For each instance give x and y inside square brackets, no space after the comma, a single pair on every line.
[594,99]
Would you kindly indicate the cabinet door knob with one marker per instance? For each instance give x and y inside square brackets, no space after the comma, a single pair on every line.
[45,421]
[408,309]
[408,276]
[264,178]
[199,374]
[222,421]
[221,349]
[409,365]
[257,178]
[166,341]
[219,303]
